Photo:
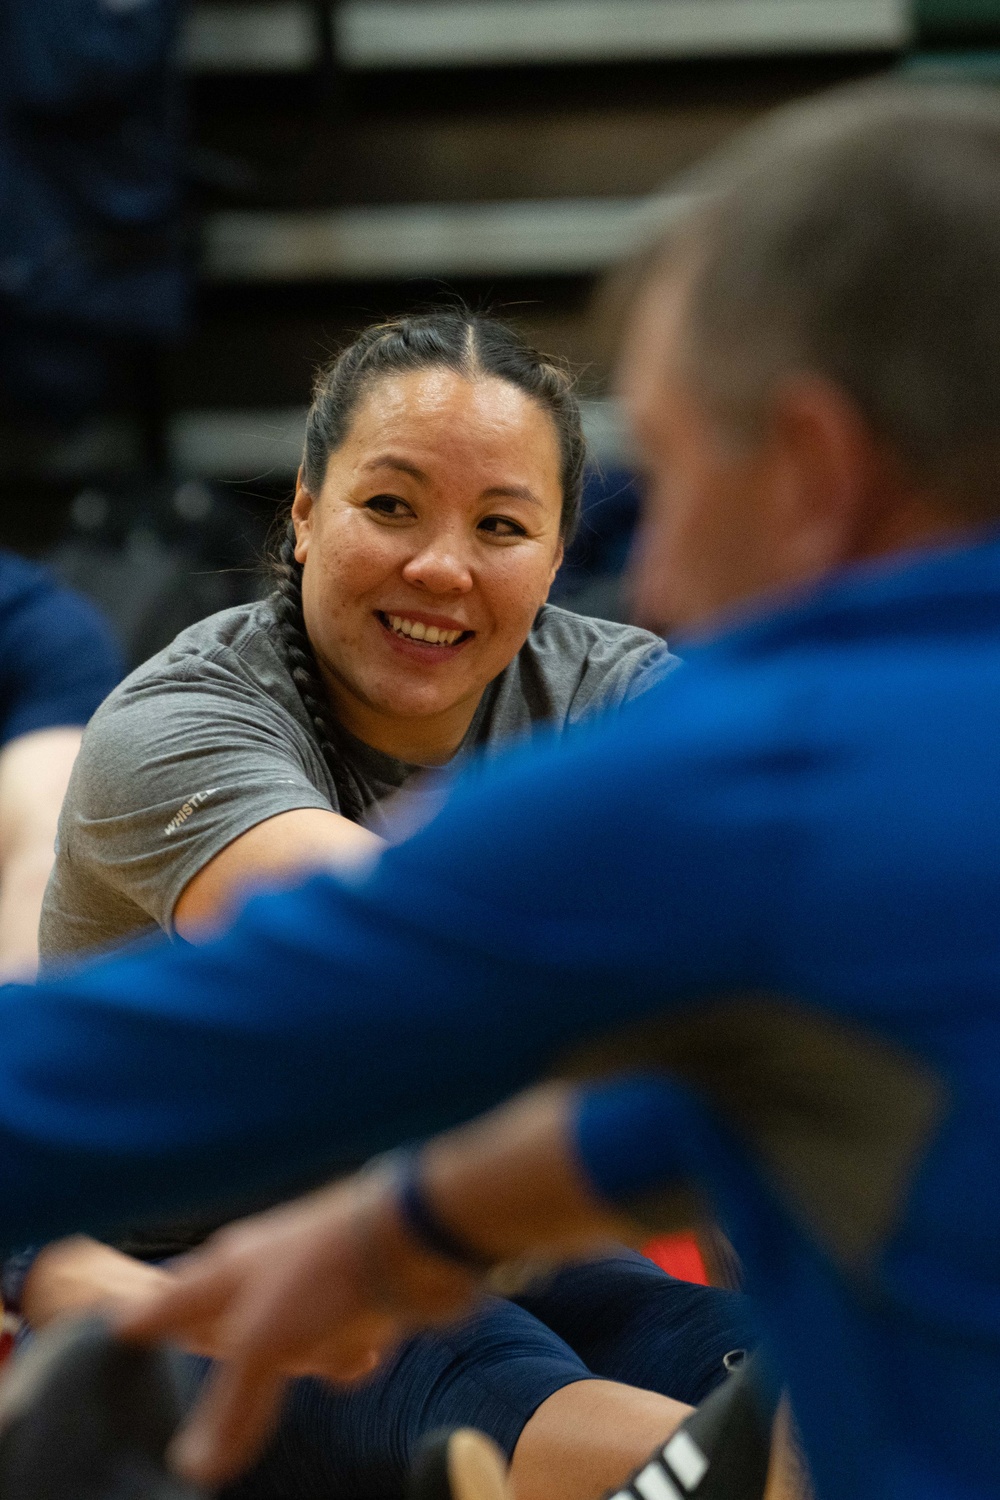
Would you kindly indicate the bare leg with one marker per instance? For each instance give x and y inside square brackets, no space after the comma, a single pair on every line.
[787,1477]
[588,1437]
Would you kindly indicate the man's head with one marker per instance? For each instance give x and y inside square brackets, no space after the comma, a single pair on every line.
[813,364]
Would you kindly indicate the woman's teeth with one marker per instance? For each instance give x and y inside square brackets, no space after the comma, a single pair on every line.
[429,634]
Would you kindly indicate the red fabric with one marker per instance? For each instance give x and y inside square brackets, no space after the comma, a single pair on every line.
[678,1255]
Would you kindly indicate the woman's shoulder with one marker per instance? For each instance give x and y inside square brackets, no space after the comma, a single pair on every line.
[576,636]
[570,667]
[227,669]
[243,631]
[215,708]
[599,656]
[239,644]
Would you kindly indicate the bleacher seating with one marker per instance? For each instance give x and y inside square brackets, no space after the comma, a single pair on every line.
[348,160]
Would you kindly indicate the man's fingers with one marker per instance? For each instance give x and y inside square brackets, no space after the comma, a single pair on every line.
[187,1302]
[230,1423]
[338,1361]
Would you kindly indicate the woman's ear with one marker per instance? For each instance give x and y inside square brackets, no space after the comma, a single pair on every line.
[557,561]
[302,513]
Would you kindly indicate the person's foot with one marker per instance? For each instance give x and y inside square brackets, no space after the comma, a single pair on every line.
[85,1417]
[460,1465]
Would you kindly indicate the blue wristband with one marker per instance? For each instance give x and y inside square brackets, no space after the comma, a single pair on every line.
[424,1224]
[13,1274]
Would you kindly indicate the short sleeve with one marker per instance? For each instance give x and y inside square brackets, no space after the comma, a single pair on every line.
[618,671]
[59,656]
[169,773]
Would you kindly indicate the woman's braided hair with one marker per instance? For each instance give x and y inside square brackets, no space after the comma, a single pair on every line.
[471,345]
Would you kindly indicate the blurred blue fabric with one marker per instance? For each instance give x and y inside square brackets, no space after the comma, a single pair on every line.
[591,579]
[58,656]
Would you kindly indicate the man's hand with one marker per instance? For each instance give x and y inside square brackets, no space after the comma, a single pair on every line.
[78,1275]
[325,1286]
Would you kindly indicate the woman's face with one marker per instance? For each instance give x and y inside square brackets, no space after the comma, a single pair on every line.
[427,554]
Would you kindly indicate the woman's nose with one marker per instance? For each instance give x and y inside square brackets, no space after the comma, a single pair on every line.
[439,568]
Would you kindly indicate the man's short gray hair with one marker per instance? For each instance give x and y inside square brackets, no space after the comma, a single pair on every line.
[858,237]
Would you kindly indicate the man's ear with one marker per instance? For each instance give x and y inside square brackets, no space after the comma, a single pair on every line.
[302,514]
[826,460]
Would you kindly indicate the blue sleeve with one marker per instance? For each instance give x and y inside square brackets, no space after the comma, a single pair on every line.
[546,904]
[59,657]
[629,1134]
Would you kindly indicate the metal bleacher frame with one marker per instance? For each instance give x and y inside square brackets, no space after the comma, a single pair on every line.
[386,34]
[254,250]
[558,237]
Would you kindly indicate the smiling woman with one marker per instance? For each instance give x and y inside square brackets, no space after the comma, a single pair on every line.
[433,538]
[408,631]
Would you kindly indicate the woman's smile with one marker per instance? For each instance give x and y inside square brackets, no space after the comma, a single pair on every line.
[423,637]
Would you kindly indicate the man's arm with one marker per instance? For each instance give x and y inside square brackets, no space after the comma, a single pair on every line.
[34,772]
[542,907]
[327,1285]
[74,1274]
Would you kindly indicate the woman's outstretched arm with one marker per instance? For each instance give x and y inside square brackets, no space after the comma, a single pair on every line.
[271,853]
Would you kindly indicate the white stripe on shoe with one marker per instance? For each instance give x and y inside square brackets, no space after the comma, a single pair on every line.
[686,1459]
[653,1483]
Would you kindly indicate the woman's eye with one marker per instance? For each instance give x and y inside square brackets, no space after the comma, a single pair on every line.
[388,505]
[502,526]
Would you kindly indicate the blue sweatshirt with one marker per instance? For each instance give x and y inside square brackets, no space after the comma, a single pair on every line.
[58,657]
[762,905]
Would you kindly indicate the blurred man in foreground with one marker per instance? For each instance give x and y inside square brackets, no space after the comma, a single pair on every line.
[765,919]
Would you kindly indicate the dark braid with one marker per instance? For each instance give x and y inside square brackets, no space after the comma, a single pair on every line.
[453,339]
[301,659]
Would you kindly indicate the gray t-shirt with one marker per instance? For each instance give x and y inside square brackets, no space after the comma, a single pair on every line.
[210,737]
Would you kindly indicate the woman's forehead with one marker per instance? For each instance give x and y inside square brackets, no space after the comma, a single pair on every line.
[439,416]
[426,399]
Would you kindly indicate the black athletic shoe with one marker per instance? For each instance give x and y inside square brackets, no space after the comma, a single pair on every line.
[462,1464]
[721,1452]
[85,1417]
